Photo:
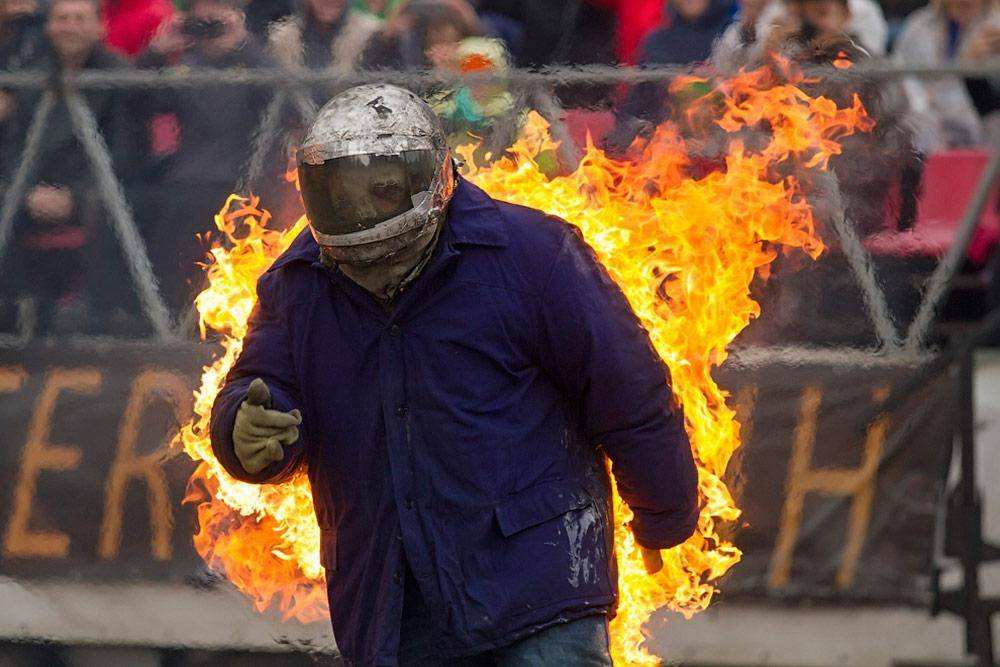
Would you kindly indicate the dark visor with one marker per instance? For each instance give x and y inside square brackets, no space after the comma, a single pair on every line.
[354,193]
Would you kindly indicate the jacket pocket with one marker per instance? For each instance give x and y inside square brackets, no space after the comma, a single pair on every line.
[538,504]
[328,548]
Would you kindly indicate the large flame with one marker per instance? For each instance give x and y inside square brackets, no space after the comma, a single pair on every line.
[683,245]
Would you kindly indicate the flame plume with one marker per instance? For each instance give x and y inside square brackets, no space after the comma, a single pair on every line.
[684,246]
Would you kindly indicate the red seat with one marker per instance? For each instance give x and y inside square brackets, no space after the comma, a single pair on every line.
[580,121]
[949,181]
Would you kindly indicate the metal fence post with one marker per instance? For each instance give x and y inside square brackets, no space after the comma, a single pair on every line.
[267,132]
[25,169]
[978,635]
[861,266]
[134,248]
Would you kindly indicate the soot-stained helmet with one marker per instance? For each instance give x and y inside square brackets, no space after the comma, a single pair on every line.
[375,173]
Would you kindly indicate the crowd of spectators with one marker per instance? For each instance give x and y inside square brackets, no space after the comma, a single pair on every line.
[179,152]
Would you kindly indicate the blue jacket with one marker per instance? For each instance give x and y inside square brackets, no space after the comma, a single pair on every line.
[466,427]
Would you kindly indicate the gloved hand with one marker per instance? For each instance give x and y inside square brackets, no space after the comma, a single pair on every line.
[260,432]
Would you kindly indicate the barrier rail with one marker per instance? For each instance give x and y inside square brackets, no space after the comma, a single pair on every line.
[563,76]
[289,86]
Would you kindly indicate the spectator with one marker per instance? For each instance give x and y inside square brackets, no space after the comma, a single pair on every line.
[216,129]
[819,30]
[943,32]
[129,25]
[866,24]
[21,41]
[59,233]
[502,27]
[20,33]
[985,93]
[262,13]
[693,27]
[635,20]
[421,34]
[739,44]
[482,113]
[560,31]
[324,33]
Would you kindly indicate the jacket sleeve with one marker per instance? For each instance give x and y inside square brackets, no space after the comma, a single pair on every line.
[598,353]
[266,354]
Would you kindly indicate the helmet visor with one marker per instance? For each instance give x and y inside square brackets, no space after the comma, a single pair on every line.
[358,192]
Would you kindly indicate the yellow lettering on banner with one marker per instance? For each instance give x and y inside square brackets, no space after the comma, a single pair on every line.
[803,479]
[39,454]
[863,485]
[128,465]
[11,379]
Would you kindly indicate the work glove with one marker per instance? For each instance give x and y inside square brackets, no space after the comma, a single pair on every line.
[259,432]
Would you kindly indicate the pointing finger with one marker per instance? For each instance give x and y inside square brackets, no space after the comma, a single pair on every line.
[258,393]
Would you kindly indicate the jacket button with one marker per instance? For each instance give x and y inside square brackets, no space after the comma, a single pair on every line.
[409,504]
[394,330]
[402,409]
[398,578]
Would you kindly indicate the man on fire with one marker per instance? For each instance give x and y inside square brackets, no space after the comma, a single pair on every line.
[452,371]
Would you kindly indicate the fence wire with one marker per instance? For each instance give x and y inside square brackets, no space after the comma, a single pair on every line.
[292,86]
[547,76]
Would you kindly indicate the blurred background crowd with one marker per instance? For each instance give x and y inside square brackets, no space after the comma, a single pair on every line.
[179,152]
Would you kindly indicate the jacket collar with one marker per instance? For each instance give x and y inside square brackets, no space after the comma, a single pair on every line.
[473,219]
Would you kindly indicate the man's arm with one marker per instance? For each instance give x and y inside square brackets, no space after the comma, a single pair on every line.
[598,352]
[266,355]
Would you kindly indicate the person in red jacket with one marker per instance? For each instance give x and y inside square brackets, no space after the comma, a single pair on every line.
[636,19]
[129,25]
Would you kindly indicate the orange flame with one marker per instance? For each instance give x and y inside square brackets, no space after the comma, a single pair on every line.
[685,251]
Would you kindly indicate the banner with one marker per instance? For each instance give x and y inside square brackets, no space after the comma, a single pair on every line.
[839,489]
[840,479]
[88,489]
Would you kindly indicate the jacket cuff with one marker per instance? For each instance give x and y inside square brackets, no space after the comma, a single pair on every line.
[224,419]
[663,530]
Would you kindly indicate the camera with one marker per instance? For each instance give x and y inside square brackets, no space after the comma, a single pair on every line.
[203,29]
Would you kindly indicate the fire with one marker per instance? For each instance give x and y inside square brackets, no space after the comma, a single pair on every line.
[684,246]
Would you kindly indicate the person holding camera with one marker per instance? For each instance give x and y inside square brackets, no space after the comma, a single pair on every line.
[322,34]
[212,128]
[58,261]
[211,33]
